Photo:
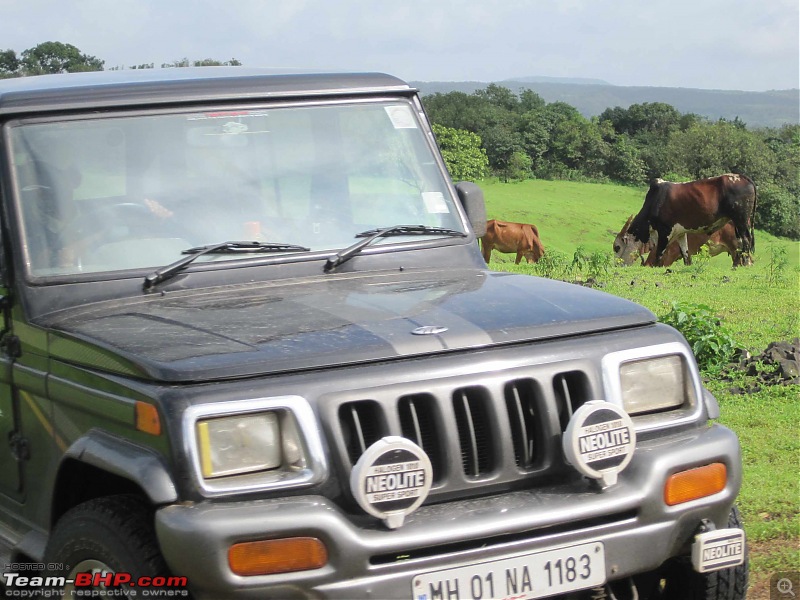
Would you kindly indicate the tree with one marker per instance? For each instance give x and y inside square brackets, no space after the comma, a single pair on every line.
[502,142]
[649,117]
[530,100]
[778,211]
[9,64]
[710,149]
[55,57]
[462,152]
[624,164]
[499,96]
[535,137]
[206,62]
[517,168]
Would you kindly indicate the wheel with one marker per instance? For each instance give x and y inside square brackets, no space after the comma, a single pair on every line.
[684,583]
[112,534]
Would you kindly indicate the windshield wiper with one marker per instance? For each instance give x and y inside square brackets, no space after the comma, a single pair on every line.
[373,234]
[171,269]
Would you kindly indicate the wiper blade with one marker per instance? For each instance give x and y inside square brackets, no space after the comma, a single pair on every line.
[171,269]
[373,234]
[412,230]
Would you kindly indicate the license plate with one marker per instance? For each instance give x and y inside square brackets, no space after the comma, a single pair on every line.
[536,575]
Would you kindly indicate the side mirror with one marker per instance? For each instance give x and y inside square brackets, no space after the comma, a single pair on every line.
[471,197]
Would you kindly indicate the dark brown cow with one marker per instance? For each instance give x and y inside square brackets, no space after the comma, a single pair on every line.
[703,206]
[519,238]
[626,248]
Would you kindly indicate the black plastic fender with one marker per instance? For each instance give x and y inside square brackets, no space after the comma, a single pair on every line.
[138,464]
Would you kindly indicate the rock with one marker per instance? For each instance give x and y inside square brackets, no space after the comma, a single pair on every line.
[788,369]
[779,364]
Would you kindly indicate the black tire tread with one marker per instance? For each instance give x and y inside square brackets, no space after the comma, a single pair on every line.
[127,517]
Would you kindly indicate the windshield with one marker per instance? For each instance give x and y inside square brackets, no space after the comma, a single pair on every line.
[129,192]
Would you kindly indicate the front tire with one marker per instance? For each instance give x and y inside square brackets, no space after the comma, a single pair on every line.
[112,534]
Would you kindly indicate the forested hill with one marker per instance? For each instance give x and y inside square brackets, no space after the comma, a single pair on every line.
[756,109]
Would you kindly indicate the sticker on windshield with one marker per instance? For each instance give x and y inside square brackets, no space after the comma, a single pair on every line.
[435,203]
[227,114]
[401,117]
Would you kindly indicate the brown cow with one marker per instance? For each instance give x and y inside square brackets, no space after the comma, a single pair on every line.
[519,238]
[627,248]
[702,206]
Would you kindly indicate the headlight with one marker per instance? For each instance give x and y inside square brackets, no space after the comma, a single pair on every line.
[249,445]
[232,445]
[653,384]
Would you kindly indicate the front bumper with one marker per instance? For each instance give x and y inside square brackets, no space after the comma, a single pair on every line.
[630,518]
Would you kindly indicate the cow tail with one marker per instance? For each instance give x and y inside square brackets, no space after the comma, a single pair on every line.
[753,218]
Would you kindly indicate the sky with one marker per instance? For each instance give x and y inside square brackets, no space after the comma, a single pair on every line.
[711,44]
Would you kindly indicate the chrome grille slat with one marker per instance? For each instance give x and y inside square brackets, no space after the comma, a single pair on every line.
[358,429]
[471,446]
[526,443]
[417,431]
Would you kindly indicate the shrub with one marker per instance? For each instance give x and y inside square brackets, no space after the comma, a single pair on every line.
[711,343]
[593,265]
[778,211]
[552,265]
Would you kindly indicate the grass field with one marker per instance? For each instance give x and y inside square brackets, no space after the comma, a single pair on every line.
[758,305]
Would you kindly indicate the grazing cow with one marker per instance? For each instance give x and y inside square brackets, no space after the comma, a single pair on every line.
[702,206]
[627,248]
[519,238]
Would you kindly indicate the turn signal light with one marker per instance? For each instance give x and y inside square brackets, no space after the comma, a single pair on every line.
[268,557]
[695,483]
[147,418]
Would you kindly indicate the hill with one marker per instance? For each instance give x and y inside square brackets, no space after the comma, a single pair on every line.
[591,97]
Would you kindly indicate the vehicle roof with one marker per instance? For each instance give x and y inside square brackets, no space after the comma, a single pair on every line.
[140,87]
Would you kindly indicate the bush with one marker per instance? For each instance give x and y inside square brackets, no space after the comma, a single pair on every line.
[778,211]
[552,265]
[711,343]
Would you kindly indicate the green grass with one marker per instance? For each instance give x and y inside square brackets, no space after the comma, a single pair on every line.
[757,305]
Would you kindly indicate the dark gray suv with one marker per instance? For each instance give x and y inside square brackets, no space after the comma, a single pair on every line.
[250,348]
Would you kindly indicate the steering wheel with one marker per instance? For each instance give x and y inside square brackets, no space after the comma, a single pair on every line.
[126,220]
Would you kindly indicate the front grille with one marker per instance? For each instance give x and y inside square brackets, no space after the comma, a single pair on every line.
[490,431]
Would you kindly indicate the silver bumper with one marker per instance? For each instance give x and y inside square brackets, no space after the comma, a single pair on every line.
[638,530]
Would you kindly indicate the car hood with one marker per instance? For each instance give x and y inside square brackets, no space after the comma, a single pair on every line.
[309,323]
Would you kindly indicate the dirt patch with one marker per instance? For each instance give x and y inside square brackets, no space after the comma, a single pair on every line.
[759,588]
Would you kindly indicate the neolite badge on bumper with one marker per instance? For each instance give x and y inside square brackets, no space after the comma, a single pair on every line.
[391,479]
[599,441]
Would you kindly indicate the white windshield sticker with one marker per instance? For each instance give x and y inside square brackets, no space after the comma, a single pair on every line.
[434,202]
[401,117]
